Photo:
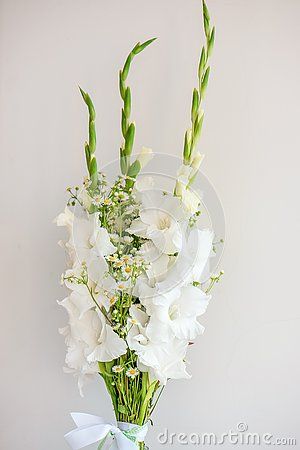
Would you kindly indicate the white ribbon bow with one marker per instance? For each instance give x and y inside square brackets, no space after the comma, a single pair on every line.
[91,429]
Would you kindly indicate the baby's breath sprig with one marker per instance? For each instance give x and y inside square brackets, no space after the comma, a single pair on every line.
[90,147]
[128,128]
[192,135]
[73,196]
[213,280]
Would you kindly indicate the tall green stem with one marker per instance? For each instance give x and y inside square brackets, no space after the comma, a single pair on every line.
[128,127]
[192,135]
[90,147]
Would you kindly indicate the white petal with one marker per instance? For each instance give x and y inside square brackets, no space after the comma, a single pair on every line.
[110,347]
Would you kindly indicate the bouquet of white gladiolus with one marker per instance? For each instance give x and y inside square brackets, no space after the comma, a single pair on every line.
[137,273]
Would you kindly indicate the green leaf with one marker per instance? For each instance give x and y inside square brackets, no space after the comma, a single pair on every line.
[134,169]
[93,166]
[122,409]
[93,173]
[129,139]
[123,162]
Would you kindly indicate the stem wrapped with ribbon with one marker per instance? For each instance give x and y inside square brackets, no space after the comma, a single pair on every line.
[91,429]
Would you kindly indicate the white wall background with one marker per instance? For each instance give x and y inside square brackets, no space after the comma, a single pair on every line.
[246,367]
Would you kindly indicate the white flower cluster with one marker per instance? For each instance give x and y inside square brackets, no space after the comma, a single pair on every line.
[137,264]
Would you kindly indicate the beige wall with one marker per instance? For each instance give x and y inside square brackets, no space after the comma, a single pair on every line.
[246,367]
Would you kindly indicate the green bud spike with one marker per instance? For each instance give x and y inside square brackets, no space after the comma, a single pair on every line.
[129,140]
[195,105]
[135,48]
[202,63]
[124,123]
[211,42]
[93,173]
[205,11]
[87,154]
[90,147]
[206,20]
[122,86]
[198,127]
[140,47]
[127,102]
[128,131]
[205,82]
[193,134]
[126,67]
[186,149]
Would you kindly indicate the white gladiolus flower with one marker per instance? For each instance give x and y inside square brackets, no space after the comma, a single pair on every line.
[189,197]
[110,345]
[191,200]
[158,262]
[85,198]
[191,262]
[99,281]
[162,360]
[88,235]
[145,155]
[65,219]
[159,222]
[176,312]
[89,339]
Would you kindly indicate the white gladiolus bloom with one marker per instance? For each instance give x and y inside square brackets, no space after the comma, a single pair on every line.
[189,197]
[191,261]
[81,338]
[191,200]
[89,339]
[99,280]
[165,361]
[110,345]
[65,219]
[88,235]
[177,312]
[160,221]
[162,360]
[145,155]
[158,262]
[85,198]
